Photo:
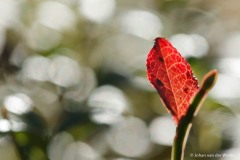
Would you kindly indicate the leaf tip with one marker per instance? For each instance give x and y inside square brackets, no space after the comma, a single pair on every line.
[209,80]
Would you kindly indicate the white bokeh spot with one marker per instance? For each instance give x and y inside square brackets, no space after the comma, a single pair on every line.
[141,23]
[97,10]
[162,130]
[56,15]
[18,103]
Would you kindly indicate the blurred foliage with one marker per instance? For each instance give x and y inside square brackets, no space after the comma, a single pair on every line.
[73,84]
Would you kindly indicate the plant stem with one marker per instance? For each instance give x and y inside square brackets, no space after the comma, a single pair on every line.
[185,122]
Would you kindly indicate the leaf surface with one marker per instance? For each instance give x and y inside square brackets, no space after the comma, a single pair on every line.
[172,77]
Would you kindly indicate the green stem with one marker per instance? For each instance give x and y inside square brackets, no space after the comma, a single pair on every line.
[185,122]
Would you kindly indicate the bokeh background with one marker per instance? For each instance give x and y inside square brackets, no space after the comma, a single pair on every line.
[73,82]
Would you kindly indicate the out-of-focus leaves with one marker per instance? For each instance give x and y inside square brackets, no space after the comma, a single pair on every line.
[167,5]
[113,78]
[35,123]
[114,49]
[31,145]
[32,141]
[12,39]
[71,119]
[78,124]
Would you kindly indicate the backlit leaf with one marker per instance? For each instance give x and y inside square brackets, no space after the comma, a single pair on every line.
[172,76]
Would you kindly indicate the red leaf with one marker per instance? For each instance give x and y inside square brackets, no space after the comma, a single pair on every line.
[172,76]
